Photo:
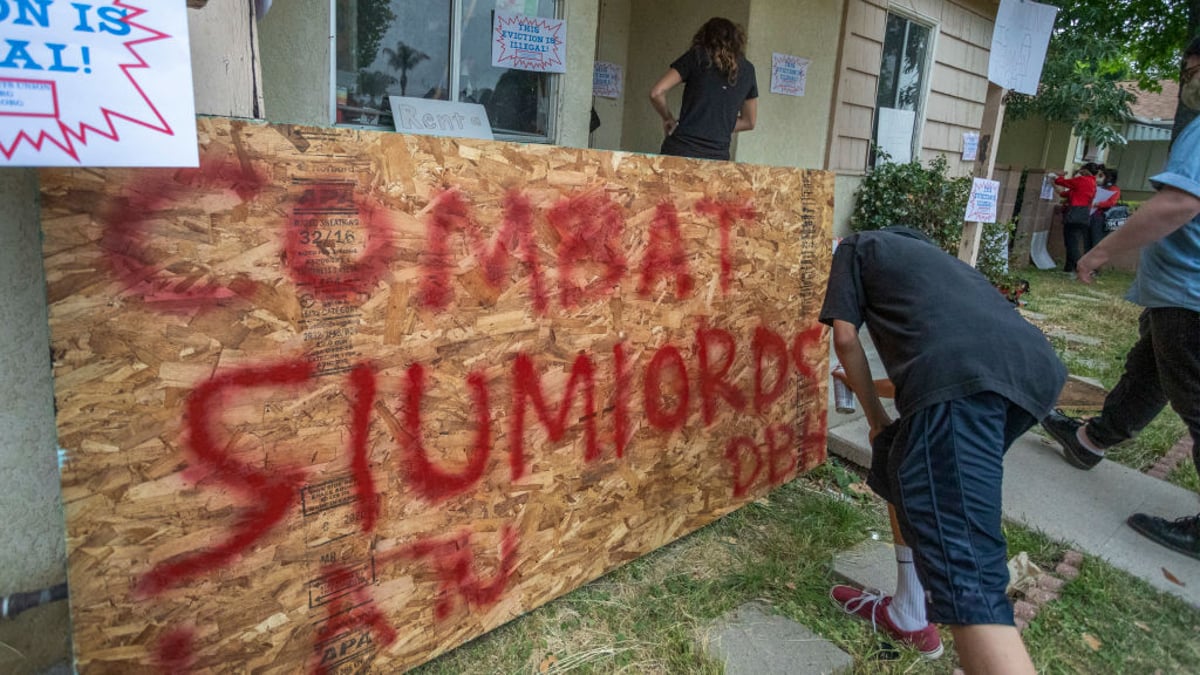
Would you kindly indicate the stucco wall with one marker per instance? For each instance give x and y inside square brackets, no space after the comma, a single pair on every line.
[792,130]
[613,46]
[296,62]
[575,102]
[32,545]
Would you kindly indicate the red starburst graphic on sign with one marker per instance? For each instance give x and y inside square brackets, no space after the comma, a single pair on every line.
[46,125]
[529,43]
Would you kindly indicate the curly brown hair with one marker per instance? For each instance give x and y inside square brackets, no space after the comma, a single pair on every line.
[724,43]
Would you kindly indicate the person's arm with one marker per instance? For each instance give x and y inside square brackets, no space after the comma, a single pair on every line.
[658,98]
[748,116]
[1168,210]
[853,358]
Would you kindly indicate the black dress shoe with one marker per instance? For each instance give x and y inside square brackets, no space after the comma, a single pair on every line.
[1181,535]
[1063,429]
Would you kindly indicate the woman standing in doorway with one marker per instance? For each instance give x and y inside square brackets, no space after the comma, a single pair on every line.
[720,93]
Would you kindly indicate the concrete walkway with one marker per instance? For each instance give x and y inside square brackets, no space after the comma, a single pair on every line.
[1084,508]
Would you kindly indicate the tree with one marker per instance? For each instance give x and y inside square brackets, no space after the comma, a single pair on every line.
[404,58]
[1095,45]
[374,18]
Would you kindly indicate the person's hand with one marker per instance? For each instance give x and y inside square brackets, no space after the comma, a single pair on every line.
[1085,268]
[839,373]
[669,125]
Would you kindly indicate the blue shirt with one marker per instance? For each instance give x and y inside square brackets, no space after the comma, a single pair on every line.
[1168,273]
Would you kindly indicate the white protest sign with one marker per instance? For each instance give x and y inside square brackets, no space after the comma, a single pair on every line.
[1047,188]
[608,80]
[1019,40]
[1102,196]
[970,146]
[895,133]
[431,117]
[529,43]
[984,201]
[93,84]
[789,74]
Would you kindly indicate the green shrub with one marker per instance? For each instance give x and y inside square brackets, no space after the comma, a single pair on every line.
[909,194]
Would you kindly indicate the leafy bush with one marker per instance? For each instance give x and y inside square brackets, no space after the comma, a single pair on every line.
[909,194]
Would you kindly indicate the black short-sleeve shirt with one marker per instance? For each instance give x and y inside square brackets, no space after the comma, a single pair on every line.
[711,104]
[941,329]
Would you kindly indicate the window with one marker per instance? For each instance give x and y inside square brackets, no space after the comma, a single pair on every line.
[902,83]
[437,49]
[1089,151]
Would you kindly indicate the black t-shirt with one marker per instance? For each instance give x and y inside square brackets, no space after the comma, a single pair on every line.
[941,329]
[710,106]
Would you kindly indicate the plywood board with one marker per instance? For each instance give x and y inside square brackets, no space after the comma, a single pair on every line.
[342,400]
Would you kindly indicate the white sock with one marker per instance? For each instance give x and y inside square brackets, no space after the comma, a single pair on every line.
[1087,442]
[907,610]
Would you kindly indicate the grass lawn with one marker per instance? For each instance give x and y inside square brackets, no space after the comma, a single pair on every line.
[648,616]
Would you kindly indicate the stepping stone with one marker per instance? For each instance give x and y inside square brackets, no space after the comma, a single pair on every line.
[1032,315]
[751,640]
[870,564]
[1071,337]
[1082,298]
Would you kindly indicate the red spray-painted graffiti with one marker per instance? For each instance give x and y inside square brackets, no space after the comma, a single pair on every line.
[336,263]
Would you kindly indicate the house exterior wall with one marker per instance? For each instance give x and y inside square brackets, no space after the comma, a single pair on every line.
[957,87]
[954,101]
[791,130]
[612,46]
[1136,162]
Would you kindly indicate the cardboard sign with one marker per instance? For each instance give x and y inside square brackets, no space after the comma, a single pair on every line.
[432,117]
[789,74]
[529,43]
[85,84]
[984,201]
[340,400]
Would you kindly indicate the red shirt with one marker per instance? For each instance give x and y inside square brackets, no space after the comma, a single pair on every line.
[1111,201]
[1081,190]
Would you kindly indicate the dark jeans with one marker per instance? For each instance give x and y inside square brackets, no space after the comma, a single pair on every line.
[1095,229]
[1163,367]
[1076,226]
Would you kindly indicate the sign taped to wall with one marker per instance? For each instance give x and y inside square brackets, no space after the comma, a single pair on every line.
[341,400]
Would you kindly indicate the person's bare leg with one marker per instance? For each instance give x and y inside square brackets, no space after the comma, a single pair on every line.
[907,610]
[991,649]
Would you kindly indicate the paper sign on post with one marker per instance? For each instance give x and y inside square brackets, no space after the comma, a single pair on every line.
[984,200]
[1019,40]
[1047,188]
[608,79]
[96,84]
[970,146]
[529,43]
[789,74]
[431,117]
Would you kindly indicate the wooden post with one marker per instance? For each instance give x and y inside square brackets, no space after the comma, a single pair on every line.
[985,163]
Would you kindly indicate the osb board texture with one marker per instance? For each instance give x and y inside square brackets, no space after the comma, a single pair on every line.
[291,452]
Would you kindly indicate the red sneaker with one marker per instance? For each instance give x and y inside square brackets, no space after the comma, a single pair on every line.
[872,606]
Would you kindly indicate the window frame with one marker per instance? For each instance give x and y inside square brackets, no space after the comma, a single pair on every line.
[553,104]
[918,142]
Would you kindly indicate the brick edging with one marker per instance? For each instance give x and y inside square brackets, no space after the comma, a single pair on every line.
[1168,462]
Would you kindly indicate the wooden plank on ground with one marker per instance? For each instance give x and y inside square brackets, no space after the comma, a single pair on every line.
[341,400]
